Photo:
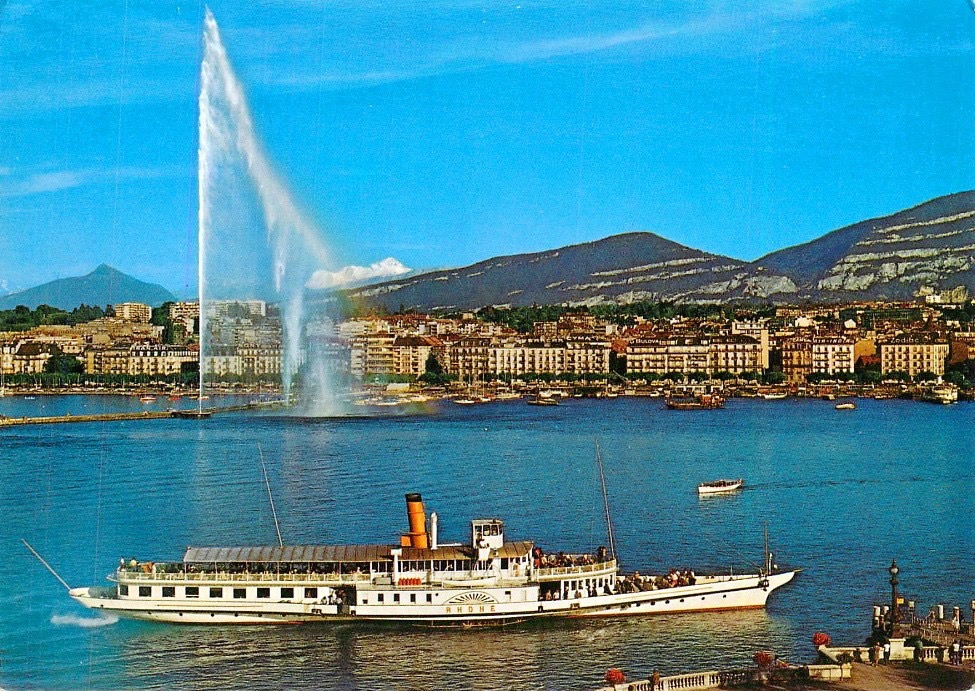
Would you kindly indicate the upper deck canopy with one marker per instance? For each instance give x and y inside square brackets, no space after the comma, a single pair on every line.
[304,554]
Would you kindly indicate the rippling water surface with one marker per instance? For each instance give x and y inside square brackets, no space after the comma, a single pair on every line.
[842,493]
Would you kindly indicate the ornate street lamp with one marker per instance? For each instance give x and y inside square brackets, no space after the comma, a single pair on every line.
[893,571]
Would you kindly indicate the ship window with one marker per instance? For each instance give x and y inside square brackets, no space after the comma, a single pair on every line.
[240,593]
[263,592]
[287,593]
[123,590]
[429,597]
[380,597]
[216,592]
[169,591]
[192,591]
[145,591]
[504,563]
[413,598]
[395,597]
[311,593]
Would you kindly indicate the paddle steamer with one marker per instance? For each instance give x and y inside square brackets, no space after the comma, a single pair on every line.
[420,580]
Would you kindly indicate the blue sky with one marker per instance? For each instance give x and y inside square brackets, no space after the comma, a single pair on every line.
[442,133]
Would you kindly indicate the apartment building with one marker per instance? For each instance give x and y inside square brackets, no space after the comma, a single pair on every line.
[914,353]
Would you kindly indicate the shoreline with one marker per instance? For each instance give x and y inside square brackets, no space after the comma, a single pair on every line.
[769,394]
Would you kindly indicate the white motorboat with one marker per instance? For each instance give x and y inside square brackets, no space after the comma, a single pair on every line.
[720,486]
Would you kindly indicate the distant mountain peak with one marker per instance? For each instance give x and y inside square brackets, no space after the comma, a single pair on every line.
[105,285]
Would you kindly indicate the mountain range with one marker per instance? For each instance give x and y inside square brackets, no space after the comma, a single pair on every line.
[927,247]
[103,286]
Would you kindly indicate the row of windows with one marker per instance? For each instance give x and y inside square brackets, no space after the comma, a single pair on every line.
[193,591]
[381,598]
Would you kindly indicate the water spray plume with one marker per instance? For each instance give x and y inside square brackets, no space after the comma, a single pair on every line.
[230,153]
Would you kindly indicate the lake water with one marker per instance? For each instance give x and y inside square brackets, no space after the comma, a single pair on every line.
[842,493]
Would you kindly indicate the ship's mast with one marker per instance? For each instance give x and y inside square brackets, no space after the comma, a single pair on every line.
[609,519]
[270,498]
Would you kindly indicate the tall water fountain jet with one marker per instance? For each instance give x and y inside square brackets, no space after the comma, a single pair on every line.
[254,243]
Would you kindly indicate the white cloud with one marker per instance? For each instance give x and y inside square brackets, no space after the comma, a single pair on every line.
[55,181]
[354,274]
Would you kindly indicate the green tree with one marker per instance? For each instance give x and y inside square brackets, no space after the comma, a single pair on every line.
[869,376]
[61,363]
[432,365]
[958,379]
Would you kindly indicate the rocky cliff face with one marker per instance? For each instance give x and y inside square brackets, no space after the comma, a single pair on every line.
[930,247]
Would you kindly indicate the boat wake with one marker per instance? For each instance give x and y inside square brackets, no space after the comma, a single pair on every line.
[83,622]
[838,482]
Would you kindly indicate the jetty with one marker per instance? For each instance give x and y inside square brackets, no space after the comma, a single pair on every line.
[185,413]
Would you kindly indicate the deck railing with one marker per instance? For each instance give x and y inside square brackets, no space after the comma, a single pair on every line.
[267,577]
[540,574]
[546,573]
[689,682]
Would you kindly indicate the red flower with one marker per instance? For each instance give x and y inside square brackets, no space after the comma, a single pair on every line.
[819,638]
[614,676]
[763,658]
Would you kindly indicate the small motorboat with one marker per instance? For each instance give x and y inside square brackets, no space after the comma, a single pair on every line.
[700,402]
[720,486]
[846,406]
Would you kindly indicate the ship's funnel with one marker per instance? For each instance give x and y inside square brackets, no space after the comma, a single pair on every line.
[417,537]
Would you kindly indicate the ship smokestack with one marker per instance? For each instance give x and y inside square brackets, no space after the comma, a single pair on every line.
[417,536]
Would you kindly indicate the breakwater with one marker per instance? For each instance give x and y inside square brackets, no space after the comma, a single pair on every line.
[184,413]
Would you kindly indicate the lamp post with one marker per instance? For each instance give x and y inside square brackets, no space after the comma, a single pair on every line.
[893,571]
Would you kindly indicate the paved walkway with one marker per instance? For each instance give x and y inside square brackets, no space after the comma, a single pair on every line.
[908,677]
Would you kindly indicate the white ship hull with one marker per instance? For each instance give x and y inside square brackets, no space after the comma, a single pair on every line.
[488,581]
[462,606]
